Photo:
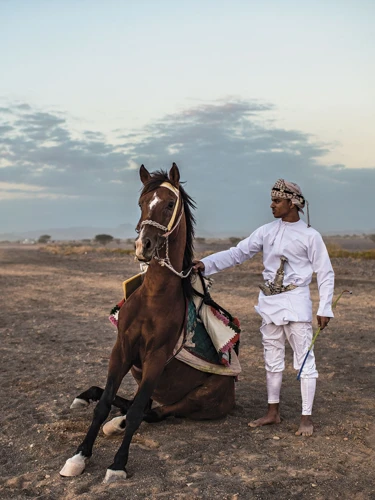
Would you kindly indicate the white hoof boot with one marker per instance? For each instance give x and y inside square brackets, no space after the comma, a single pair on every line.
[112,476]
[79,403]
[74,466]
[113,427]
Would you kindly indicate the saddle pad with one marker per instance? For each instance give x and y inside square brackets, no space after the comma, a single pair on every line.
[197,341]
[209,339]
[130,285]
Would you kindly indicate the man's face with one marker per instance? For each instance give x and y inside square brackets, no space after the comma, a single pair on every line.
[281,207]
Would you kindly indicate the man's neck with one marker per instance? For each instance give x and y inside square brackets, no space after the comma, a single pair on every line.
[291,218]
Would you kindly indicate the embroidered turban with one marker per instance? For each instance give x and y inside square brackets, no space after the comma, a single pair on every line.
[289,191]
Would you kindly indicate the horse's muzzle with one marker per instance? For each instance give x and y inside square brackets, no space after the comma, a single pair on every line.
[144,248]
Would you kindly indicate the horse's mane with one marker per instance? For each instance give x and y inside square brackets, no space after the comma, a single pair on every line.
[157,178]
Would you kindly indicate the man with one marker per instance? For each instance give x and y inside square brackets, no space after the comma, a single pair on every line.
[292,251]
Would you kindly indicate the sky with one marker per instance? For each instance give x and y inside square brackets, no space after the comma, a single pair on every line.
[237,93]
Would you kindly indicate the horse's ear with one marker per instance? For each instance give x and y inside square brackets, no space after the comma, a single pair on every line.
[174,175]
[144,174]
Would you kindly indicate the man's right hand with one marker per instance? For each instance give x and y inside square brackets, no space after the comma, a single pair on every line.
[322,321]
[198,266]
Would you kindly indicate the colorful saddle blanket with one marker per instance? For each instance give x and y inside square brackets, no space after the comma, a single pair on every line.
[210,340]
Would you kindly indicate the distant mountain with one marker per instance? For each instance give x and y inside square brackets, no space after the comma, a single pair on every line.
[72,233]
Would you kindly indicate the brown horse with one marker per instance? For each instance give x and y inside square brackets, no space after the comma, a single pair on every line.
[149,326]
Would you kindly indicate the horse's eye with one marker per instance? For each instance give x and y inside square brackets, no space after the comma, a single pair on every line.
[171,204]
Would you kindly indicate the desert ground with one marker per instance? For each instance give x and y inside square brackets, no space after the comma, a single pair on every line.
[55,343]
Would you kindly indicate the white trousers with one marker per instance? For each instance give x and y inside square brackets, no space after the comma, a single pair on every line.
[299,336]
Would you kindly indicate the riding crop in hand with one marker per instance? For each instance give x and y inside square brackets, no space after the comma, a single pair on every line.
[317,333]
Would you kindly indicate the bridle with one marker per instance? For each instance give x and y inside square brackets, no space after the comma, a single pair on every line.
[168,230]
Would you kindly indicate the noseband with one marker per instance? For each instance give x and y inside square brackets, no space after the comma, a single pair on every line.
[168,230]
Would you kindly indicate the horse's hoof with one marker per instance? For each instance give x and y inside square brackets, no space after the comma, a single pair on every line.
[79,403]
[114,427]
[74,466]
[113,476]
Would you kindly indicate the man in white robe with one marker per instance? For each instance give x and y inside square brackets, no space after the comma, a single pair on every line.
[285,315]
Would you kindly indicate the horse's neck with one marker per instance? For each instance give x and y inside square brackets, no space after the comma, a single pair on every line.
[162,281]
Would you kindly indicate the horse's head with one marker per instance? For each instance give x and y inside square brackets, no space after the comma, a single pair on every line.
[161,207]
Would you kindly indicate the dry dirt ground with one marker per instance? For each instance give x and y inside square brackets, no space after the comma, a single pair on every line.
[56,340]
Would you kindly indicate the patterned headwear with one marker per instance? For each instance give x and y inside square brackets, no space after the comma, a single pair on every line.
[291,191]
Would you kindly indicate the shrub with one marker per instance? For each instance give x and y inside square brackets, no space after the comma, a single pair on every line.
[44,238]
[103,239]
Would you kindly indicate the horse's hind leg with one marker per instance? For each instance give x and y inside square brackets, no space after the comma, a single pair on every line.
[86,397]
[117,370]
[94,394]
[214,399]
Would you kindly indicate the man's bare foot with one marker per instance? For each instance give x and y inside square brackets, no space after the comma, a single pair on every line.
[306,426]
[272,417]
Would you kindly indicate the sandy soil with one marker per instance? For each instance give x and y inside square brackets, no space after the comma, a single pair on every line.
[55,342]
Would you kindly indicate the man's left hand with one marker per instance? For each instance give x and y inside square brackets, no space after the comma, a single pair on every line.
[322,321]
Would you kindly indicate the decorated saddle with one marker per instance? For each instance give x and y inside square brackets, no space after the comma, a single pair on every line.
[210,339]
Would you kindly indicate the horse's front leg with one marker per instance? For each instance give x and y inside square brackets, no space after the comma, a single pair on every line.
[152,369]
[116,372]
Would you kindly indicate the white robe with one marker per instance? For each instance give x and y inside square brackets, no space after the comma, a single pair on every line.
[306,253]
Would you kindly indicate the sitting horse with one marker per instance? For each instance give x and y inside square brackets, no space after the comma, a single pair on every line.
[149,326]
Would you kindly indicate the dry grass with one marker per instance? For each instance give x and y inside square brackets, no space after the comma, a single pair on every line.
[334,250]
[83,250]
[337,252]
[60,342]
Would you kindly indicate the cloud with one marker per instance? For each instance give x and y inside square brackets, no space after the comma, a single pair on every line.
[231,159]
[22,106]
[41,149]
[18,191]
[26,195]
[229,151]
[8,186]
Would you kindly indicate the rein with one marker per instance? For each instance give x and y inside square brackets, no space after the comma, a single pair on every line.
[208,300]
[168,231]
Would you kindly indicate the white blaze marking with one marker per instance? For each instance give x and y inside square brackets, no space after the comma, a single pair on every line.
[155,200]
[139,244]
